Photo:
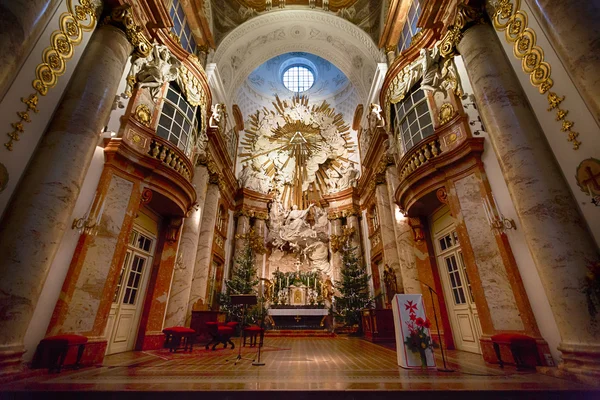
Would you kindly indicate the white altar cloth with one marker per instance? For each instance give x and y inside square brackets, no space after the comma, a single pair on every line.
[297,311]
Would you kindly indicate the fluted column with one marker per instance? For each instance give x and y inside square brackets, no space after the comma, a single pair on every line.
[21,23]
[352,221]
[242,227]
[203,254]
[186,258]
[260,227]
[388,236]
[405,244]
[39,212]
[335,228]
[573,29]
[553,228]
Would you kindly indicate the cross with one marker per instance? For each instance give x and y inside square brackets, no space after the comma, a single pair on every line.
[298,318]
[591,179]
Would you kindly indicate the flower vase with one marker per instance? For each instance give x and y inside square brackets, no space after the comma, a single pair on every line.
[423,356]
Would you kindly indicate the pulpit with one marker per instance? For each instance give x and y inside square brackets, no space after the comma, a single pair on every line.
[378,325]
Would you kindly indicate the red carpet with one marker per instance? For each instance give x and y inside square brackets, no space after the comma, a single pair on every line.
[299,333]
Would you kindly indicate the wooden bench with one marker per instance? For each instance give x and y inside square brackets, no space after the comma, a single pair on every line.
[518,344]
[178,335]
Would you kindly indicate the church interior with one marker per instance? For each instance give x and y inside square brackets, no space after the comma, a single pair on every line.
[303,198]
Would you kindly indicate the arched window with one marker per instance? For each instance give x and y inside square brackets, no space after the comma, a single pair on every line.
[221,218]
[410,26]
[411,120]
[179,120]
[181,28]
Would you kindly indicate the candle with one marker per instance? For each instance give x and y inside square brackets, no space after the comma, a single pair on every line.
[487,213]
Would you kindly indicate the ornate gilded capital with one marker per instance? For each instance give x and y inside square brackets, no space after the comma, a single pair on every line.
[122,17]
[250,213]
[338,241]
[466,17]
[256,242]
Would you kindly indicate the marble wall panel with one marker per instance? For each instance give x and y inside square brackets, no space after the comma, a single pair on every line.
[89,289]
[494,279]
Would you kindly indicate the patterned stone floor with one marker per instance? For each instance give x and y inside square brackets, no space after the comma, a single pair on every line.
[292,364]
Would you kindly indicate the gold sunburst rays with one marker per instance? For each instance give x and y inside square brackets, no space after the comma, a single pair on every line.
[292,131]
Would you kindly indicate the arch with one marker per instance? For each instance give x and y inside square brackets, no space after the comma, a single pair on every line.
[333,38]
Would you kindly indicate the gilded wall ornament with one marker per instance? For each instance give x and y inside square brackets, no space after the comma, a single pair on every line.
[123,18]
[78,19]
[447,111]
[510,19]
[143,114]
[338,241]
[466,17]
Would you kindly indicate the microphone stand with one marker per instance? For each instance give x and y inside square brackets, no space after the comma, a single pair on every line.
[431,292]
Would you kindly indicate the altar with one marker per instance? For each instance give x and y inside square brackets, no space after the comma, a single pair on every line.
[298,318]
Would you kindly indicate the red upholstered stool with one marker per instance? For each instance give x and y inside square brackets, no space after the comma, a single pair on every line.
[56,348]
[221,333]
[177,335]
[252,332]
[518,344]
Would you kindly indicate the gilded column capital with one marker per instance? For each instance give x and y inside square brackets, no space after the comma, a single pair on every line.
[123,18]
[250,213]
[466,16]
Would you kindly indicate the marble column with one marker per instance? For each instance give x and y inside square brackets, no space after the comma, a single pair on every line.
[352,221]
[41,207]
[186,259]
[260,227]
[548,216]
[204,252]
[388,236]
[573,29]
[21,23]
[335,228]
[242,227]
[404,238]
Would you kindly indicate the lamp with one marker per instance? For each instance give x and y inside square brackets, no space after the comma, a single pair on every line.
[498,222]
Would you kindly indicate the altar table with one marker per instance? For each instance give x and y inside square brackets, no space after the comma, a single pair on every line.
[298,318]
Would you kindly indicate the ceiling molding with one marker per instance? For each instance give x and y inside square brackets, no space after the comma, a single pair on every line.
[340,42]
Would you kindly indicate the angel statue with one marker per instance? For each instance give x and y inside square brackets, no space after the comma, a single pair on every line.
[153,71]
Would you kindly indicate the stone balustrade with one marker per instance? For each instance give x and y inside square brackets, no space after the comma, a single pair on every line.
[420,154]
[170,156]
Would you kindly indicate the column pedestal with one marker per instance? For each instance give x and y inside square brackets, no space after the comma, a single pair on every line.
[548,216]
[41,208]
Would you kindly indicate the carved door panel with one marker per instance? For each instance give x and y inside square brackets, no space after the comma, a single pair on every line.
[129,295]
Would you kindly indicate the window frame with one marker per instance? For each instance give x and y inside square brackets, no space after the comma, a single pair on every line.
[173,120]
[400,133]
[298,77]
[410,28]
[181,28]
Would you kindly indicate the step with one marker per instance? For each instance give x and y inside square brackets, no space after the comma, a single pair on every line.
[299,333]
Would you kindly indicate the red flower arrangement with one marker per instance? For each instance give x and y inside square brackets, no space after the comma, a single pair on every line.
[418,339]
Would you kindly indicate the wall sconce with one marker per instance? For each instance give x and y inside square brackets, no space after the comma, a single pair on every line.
[84,225]
[499,222]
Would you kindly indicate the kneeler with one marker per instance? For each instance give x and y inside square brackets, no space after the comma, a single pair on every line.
[221,333]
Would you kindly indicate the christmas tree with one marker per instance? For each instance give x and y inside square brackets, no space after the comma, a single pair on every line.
[353,288]
[243,277]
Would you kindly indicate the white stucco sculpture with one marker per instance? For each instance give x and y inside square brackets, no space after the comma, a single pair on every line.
[153,71]
[252,179]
